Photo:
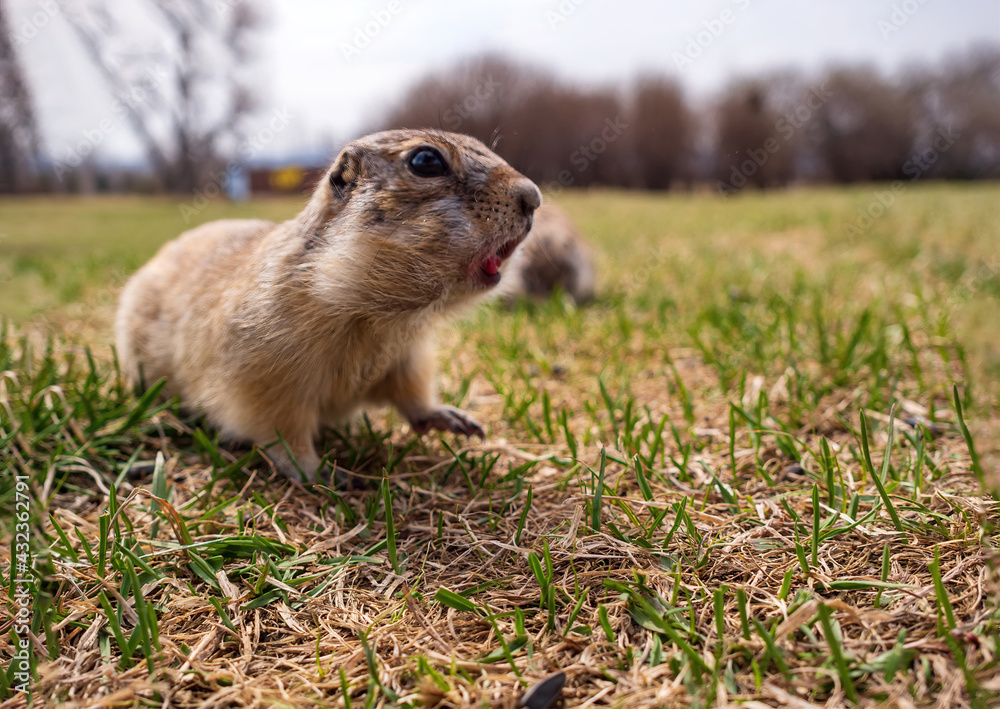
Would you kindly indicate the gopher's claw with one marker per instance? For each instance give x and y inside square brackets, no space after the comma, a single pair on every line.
[448,418]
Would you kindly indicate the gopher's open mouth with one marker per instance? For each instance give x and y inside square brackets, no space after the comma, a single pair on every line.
[489,267]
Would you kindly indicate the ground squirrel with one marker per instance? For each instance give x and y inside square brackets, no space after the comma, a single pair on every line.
[284,328]
[555,256]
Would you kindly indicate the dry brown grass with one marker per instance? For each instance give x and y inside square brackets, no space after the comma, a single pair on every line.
[292,650]
[316,604]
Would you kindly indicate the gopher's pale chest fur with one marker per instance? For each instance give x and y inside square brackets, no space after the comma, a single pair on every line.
[275,330]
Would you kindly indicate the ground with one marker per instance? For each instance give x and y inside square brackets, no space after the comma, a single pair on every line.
[751,472]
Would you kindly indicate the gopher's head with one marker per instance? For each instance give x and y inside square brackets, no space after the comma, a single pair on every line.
[420,217]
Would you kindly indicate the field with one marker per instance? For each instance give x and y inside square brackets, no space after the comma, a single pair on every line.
[751,472]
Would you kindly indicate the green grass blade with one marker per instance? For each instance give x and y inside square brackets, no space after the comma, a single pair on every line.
[870,469]
[833,642]
[977,468]
[595,519]
[390,525]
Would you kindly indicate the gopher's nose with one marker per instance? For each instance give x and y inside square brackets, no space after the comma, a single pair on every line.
[527,195]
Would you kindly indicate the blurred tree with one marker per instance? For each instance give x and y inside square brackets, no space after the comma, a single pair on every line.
[177,70]
[754,144]
[957,117]
[866,127]
[849,125]
[661,132]
[472,97]
[482,98]
[592,134]
[550,131]
[18,130]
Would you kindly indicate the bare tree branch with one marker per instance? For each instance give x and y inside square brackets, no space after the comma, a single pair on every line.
[18,130]
[192,114]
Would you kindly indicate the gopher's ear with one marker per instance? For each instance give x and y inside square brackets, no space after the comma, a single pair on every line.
[345,172]
[332,193]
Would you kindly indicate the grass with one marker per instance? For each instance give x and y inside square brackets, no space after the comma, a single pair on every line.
[753,470]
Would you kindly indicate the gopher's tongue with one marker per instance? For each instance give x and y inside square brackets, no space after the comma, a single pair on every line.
[492,264]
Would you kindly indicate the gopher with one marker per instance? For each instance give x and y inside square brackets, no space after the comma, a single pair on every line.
[273,331]
[555,256]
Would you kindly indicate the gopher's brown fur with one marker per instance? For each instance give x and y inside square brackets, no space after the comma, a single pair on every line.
[274,329]
[555,256]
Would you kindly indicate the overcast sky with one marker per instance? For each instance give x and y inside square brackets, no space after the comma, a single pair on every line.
[333,70]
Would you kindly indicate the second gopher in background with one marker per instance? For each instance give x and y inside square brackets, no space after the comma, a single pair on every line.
[279,329]
[555,256]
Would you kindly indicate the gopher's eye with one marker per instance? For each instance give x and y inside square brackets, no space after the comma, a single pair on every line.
[427,162]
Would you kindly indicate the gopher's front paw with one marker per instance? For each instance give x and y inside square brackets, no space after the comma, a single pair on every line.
[447,418]
[304,468]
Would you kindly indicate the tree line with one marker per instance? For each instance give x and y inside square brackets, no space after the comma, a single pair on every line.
[179,76]
[846,125]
